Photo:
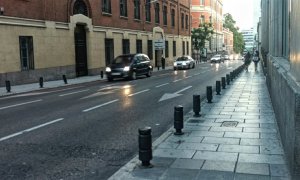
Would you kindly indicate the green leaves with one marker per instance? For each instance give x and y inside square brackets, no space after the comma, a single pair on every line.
[238,40]
[201,34]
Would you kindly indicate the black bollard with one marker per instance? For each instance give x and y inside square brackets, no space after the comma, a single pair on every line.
[8,87]
[223,79]
[65,79]
[228,79]
[196,105]
[178,120]
[145,146]
[41,82]
[218,87]
[209,94]
[231,76]
[101,74]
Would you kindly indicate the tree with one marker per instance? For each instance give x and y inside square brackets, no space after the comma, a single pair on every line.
[238,40]
[201,34]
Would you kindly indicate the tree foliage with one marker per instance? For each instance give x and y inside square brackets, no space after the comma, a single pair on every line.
[238,40]
[201,34]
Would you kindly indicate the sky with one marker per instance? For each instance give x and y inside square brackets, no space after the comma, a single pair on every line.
[244,12]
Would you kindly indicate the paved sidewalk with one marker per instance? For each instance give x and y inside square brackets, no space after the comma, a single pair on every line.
[235,138]
[57,83]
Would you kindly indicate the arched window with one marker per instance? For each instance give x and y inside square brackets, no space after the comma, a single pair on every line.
[80,8]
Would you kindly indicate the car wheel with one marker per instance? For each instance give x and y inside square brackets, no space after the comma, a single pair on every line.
[174,69]
[110,79]
[133,75]
[189,66]
[193,65]
[149,73]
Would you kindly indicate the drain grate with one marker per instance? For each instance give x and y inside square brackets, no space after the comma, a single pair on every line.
[195,121]
[229,123]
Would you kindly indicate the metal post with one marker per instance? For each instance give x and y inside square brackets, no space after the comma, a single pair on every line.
[209,94]
[228,79]
[8,87]
[231,76]
[218,87]
[145,146]
[101,74]
[41,82]
[223,82]
[178,120]
[196,105]
[65,79]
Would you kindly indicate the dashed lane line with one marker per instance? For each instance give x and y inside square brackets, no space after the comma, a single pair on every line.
[75,92]
[161,85]
[15,105]
[101,105]
[30,129]
[138,92]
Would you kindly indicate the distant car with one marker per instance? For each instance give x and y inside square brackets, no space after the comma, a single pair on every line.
[129,66]
[184,62]
[216,59]
[226,57]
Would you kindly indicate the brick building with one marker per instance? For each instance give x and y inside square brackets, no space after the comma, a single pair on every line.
[209,11]
[49,38]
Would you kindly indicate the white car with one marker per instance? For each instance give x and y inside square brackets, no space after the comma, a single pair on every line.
[184,62]
[216,59]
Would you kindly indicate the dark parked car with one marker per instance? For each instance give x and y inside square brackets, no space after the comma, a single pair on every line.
[129,66]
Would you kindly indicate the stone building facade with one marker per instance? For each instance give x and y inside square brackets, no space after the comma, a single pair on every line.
[49,38]
[280,49]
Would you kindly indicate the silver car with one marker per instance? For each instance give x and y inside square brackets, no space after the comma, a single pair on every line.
[184,62]
[216,59]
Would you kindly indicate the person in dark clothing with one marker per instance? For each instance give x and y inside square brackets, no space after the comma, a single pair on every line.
[247,60]
[163,62]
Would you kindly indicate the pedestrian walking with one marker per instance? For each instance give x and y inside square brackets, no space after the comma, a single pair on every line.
[255,60]
[247,60]
[163,62]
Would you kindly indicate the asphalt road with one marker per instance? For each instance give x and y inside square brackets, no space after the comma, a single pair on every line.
[89,131]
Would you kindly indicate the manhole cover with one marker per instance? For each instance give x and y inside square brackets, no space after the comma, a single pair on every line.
[229,123]
[195,121]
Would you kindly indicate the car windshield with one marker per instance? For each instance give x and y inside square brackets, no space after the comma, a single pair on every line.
[217,56]
[125,59]
[182,59]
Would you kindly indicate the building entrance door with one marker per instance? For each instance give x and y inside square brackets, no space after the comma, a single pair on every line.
[80,51]
[158,54]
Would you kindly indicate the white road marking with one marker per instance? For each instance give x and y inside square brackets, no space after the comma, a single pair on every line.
[183,89]
[188,77]
[138,92]
[76,92]
[15,105]
[95,107]
[177,80]
[30,129]
[197,74]
[161,85]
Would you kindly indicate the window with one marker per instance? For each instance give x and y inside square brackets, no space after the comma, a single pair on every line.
[106,6]
[126,46]
[166,49]
[202,20]
[174,48]
[109,51]
[123,8]
[148,10]
[26,52]
[139,46]
[157,13]
[186,22]
[165,15]
[182,21]
[137,9]
[150,49]
[173,17]
[80,8]
[183,48]
[202,2]
[187,48]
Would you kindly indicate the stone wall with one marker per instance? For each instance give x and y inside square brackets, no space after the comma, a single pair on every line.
[285,95]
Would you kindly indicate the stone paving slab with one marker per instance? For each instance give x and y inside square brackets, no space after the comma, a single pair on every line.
[236,138]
